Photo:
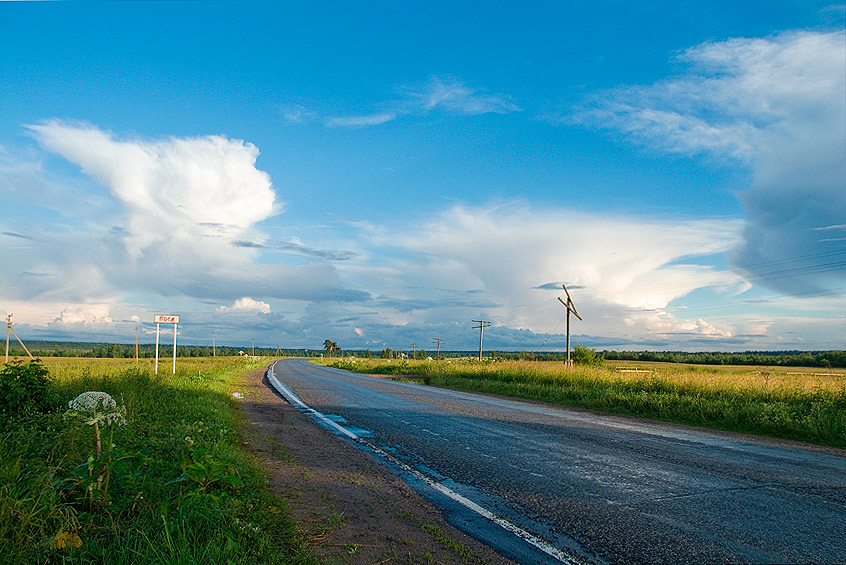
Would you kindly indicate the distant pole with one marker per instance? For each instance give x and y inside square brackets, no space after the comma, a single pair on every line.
[481,327]
[254,347]
[570,308]
[438,341]
[136,345]
[414,351]
[214,349]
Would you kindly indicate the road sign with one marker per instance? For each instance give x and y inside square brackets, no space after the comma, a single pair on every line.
[166,319]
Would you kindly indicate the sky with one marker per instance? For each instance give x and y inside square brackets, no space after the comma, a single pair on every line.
[381,174]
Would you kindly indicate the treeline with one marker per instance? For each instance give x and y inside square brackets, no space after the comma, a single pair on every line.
[145,351]
[776,358]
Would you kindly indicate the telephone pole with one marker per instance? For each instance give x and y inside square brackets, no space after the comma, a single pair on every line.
[570,308]
[8,329]
[414,351]
[439,341]
[482,325]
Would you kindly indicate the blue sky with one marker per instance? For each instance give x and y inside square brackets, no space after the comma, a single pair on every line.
[382,173]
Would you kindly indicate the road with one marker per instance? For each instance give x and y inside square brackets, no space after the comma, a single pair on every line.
[588,487]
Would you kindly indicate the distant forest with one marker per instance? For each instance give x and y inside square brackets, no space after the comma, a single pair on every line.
[148,350]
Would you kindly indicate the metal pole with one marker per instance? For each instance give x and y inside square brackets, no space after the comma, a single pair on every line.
[157,348]
[174,348]
[8,329]
[569,361]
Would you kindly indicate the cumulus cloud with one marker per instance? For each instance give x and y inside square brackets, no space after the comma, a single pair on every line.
[776,105]
[180,191]
[86,315]
[247,305]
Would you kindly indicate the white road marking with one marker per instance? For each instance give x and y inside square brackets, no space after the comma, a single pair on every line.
[464,501]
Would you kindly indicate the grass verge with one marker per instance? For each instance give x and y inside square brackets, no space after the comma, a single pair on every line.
[776,402]
[172,485]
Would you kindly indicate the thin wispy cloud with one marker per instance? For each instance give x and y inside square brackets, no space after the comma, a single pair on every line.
[297,248]
[446,94]
[457,97]
[359,121]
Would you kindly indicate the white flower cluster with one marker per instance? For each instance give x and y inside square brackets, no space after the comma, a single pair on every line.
[93,403]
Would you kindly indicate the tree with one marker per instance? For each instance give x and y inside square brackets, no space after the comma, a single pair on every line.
[387,353]
[330,347]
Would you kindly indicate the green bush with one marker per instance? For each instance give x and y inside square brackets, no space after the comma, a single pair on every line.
[584,356]
[23,387]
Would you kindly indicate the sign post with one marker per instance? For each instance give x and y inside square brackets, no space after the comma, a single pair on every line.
[166,319]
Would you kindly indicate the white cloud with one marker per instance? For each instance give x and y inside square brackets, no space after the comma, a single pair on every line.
[359,121]
[777,105]
[497,262]
[183,192]
[247,305]
[87,315]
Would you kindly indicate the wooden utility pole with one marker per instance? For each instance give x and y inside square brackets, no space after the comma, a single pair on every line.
[214,349]
[570,308]
[482,325]
[136,345]
[9,328]
[439,341]
[414,351]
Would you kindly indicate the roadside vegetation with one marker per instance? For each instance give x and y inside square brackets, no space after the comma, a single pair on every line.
[152,471]
[792,403]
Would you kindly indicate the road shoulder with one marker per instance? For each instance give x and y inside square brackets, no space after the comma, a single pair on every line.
[350,507]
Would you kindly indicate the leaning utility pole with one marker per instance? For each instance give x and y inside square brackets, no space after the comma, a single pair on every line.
[482,325]
[570,308]
[439,341]
[8,329]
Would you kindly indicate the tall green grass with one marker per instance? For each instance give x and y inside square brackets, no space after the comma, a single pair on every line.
[781,403]
[180,487]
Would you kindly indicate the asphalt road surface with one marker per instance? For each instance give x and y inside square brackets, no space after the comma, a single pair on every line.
[587,487]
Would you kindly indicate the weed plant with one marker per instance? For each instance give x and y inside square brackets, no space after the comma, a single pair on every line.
[171,485]
[775,402]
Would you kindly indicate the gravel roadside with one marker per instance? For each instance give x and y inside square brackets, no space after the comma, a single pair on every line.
[351,508]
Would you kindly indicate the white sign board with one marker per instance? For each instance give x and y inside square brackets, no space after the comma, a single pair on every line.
[165,319]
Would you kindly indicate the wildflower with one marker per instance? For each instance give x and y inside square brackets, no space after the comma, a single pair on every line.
[97,409]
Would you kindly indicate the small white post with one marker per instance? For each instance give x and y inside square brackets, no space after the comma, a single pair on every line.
[174,348]
[157,348]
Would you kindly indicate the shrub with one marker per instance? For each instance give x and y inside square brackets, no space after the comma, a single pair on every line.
[23,387]
[584,356]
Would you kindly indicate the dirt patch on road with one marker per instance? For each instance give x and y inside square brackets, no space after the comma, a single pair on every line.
[350,507]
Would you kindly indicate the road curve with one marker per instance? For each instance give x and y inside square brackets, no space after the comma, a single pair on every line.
[594,487]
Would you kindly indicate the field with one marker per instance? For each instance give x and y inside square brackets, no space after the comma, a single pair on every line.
[170,484]
[784,402]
